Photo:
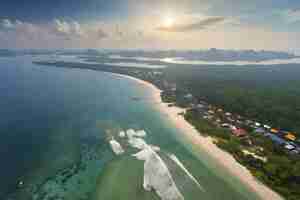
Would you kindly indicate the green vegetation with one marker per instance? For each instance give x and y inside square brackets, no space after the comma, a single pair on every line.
[269,94]
[281,171]
[206,127]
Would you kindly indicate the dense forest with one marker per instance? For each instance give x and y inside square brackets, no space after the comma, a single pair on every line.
[268,94]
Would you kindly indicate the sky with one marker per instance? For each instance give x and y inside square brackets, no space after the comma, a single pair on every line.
[151,24]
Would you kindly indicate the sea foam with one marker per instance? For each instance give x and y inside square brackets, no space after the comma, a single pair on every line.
[179,163]
[116,147]
[157,175]
[132,133]
[122,134]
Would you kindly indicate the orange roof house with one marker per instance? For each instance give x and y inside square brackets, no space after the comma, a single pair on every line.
[273,130]
[290,136]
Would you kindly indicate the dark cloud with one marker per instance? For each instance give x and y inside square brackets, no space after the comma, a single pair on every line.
[202,24]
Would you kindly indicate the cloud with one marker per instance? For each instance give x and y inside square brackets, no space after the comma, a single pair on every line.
[291,15]
[58,33]
[68,30]
[18,28]
[192,26]
[74,30]
[8,24]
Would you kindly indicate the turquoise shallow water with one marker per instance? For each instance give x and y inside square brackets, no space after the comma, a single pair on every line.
[53,139]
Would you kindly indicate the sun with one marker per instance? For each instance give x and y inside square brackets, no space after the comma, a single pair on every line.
[168,21]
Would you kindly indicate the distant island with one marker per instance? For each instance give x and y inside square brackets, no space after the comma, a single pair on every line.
[204,55]
[212,54]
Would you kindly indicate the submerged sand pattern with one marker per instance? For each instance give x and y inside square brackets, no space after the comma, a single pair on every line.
[116,147]
[157,176]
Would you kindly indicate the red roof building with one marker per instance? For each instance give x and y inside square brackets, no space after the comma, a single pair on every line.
[239,132]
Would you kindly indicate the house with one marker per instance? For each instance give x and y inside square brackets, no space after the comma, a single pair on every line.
[188,96]
[200,106]
[218,120]
[257,124]
[228,114]
[239,117]
[276,139]
[239,122]
[230,119]
[203,103]
[295,151]
[248,122]
[267,127]
[232,127]
[220,110]
[225,125]
[290,136]
[239,132]
[211,112]
[260,130]
[173,89]
[289,147]
[208,117]
[273,130]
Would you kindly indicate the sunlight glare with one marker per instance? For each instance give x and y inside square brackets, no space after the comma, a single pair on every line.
[168,21]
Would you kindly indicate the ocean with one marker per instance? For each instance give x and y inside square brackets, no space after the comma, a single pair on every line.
[54,131]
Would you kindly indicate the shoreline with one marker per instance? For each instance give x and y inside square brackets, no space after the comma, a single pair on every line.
[205,143]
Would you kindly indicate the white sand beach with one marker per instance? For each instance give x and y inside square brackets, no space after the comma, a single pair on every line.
[206,144]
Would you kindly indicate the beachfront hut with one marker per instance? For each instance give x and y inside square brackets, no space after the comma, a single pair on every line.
[239,132]
[290,136]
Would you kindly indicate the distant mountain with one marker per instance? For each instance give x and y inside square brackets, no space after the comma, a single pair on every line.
[213,55]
